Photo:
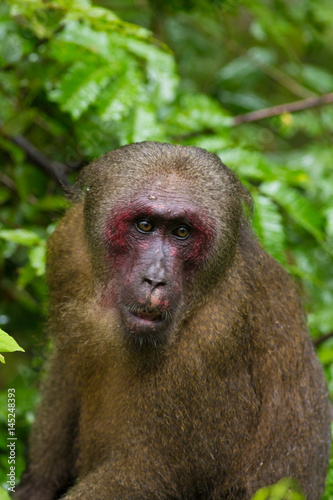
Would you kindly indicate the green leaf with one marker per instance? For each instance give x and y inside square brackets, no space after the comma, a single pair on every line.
[197,112]
[92,12]
[145,126]
[80,33]
[245,99]
[286,489]
[317,78]
[120,96]
[3,494]
[37,258]
[26,276]
[325,355]
[34,267]
[252,166]
[297,207]
[8,344]
[161,70]
[80,87]
[21,236]
[268,226]
[245,68]
[329,223]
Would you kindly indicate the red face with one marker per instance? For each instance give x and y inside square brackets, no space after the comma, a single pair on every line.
[156,243]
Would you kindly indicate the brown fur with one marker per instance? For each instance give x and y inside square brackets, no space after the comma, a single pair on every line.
[234,399]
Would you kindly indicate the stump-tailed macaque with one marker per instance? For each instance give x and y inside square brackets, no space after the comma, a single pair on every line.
[181,368]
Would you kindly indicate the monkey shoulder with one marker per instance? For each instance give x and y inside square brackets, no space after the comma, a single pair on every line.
[264,278]
[273,312]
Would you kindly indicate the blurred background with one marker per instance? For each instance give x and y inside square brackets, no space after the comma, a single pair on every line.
[251,81]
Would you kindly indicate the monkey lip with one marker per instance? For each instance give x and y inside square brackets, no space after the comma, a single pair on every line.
[149,315]
[145,319]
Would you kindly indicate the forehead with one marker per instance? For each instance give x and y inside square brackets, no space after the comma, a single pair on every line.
[168,196]
[163,188]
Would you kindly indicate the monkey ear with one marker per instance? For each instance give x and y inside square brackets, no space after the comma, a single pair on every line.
[82,182]
[85,180]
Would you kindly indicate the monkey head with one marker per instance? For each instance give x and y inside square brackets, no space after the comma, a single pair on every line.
[155,237]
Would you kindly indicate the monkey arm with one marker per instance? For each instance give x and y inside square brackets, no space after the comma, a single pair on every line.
[289,439]
[99,484]
[127,479]
[52,443]
[292,438]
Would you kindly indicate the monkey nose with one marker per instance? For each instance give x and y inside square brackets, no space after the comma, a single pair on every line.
[154,283]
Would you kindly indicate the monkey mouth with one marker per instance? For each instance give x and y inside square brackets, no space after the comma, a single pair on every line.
[141,319]
[149,314]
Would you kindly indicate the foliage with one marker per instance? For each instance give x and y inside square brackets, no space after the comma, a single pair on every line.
[7,344]
[78,79]
[286,489]
[4,495]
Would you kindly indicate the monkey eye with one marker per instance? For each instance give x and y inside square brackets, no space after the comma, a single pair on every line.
[144,226]
[182,232]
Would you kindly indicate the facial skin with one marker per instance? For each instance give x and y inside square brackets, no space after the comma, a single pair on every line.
[156,242]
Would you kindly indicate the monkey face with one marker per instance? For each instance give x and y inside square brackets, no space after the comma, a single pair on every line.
[154,244]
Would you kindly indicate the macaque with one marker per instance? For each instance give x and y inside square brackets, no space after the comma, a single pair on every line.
[182,368]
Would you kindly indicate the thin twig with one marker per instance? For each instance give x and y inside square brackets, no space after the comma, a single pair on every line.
[322,339]
[53,169]
[290,107]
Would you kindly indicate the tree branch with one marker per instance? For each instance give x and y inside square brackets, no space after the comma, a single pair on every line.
[290,107]
[55,170]
[322,339]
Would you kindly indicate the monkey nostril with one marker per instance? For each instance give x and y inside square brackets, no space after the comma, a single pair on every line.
[154,283]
